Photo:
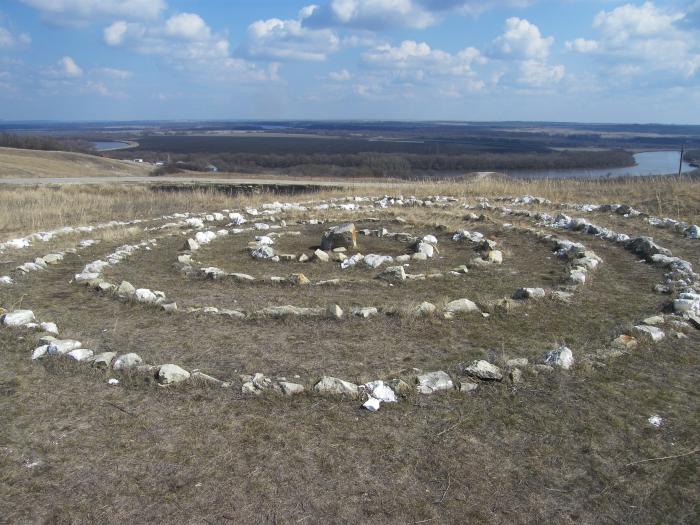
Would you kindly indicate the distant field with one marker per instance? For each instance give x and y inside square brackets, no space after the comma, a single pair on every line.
[285,145]
[18,163]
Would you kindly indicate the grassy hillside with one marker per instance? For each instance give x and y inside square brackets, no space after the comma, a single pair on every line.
[20,163]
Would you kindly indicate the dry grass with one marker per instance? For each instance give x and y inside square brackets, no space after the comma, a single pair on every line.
[555,449]
[20,163]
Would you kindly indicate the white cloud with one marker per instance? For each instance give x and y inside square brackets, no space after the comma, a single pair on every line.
[540,74]
[68,68]
[76,11]
[340,76]
[117,74]
[380,14]
[8,40]
[523,39]
[581,45]
[276,39]
[188,26]
[412,55]
[186,42]
[646,38]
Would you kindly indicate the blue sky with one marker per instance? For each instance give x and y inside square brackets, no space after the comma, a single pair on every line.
[571,60]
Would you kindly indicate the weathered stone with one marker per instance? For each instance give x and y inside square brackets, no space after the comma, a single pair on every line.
[53,258]
[320,255]
[467,386]
[125,289]
[375,261]
[290,389]
[80,354]
[202,378]
[62,346]
[289,310]
[262,252]
[518,362]
[170,374]
[169,308]
[40,352]
[425,248]
[365,312]
[495,257]
[461,306]
[654,320]
[650,332]
[577,276]
[287,257]
[241,277]
[562,357]
[529,293]
[403,259]
[431,382]
[484,370]
[426,308]
[299,279]
[341,236]
[18,318]
[334,386]
[400,387]
[419,257]
[303,257]
[335,311]
[127,361]
[516,376]
[144,295]
[103,360]
[393,274]
[646,247]
[191,245]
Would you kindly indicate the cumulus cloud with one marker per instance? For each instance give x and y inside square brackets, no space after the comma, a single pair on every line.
[381,14]
[581,45]
[420,56]
[540,74]
[9,40]
[645,37]
[276,39]
[523,39]
[68,68]
[188,26]
[340,76]
[76,11]
[187,42]
[109,72]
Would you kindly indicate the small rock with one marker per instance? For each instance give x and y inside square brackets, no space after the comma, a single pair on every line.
[262,252]
[144,295]
[18,318]
[461,306]
[335,311]
[291,389]
[365,312]
[495,257]
[335,386]
[654,320]
[562,357]
[518,362]
[624,342]
[426,308]
[516,376]
[467,386]
[170,374]
[341,236]
[393,274]
[371,404]
[484,370]
[299,279]
[529,293]
[321,256]
[303,257]
[80,354]
[431,382]
[62,346]
[126,289]
[127,361]
[103,360]
[650,332]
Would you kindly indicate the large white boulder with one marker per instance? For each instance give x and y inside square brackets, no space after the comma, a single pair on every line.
[170,374]
[18,318]
[431,382]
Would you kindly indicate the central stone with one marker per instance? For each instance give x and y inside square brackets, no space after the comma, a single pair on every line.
[341,236]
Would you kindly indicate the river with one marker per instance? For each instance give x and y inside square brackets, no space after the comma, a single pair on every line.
[647,163]
[110,145]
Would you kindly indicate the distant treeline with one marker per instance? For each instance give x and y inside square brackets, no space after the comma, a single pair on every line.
[44,142]
[387,165]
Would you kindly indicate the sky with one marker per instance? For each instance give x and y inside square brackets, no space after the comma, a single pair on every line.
[571,60]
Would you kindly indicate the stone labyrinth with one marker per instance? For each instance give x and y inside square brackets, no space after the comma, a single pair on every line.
[352,260]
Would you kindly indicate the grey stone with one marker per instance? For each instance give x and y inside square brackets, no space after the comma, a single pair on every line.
[322,256]
[171,374]
[335,386]
[289,310]
[127,361]
[562,357]
[290,389]
[80,354]
[103,360]
[426,308]
[335,311]
[461,306]
[517,362]
[341,236]
[365,312]
[262,252]
[467,386]
[650,332]
[393,274]
[125,289]
[529,293]
[484,370]
[431,382]
[516,376]
[18,318]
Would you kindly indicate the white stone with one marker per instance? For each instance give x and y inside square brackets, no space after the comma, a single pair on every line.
[6,280]
[80,354]
[484,370]
[426,308]
[562,357]
[322,256]
[171,374]
[103,360]
[375,261]
[431,382]
[126,361]
[365,312]
[49,327]
[63,346]
[461,306]
[144,295]
[264,240]
[351,261]
[18,318]
[237,218]
[290,389]
[335,386]
[651,332]
[40,352]
[495,257]
[380,391]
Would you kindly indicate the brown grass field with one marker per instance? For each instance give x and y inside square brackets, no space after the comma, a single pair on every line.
[569,447]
